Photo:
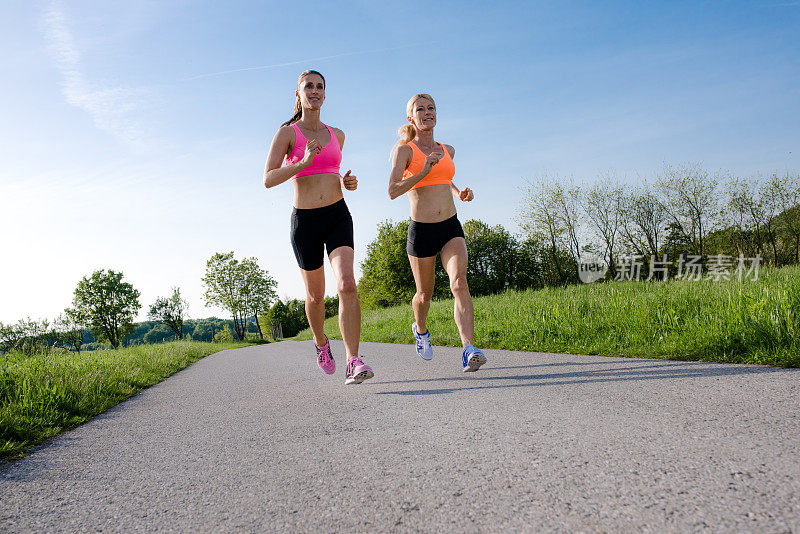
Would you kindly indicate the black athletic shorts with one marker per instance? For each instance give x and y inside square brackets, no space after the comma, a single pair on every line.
[315,229]
[427,239]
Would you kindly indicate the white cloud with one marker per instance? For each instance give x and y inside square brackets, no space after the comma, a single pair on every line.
[113,109]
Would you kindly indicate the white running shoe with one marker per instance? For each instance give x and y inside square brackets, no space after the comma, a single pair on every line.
[424,348]
[472,358]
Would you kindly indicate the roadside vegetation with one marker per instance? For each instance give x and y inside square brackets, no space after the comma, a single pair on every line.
[752,321]
[43,394]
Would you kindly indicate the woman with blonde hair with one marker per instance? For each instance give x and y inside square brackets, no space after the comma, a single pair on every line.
[309,153]
[424,169]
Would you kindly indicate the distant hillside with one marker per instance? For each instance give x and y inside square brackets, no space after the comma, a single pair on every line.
[157,332]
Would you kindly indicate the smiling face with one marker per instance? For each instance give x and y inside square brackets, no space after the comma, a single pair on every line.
[422,114]
[311,91]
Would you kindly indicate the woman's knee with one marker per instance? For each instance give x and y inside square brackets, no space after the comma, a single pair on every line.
[347,286]
[315,297]
[423,296]
[458,284]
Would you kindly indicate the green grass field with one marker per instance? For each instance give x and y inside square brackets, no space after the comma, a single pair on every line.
[42,395]
[728,321]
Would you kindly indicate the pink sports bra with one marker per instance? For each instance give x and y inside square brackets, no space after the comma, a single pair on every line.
[326,161]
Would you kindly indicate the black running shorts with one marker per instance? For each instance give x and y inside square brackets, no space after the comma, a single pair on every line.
[314,230]
[427,239]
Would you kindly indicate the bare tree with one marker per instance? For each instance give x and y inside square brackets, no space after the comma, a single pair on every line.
[603,204]
[768,197]
[746,213]
[644,221]
[692,200]
[568,201]
[786,191]
[539,216]
[11,337]
[69,329]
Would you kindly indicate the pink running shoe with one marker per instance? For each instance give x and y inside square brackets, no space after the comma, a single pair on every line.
[357,371]
[325,357]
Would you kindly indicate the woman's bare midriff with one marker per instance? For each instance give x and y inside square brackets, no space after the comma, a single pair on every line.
[432,203]
[316,190]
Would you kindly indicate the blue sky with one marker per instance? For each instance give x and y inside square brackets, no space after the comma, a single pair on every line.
[134,136]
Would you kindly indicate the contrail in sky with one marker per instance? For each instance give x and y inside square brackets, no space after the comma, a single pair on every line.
[301,61]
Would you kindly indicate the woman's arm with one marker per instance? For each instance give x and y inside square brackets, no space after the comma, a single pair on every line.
[274,174]
[466,194]
[400,161]
[349,180]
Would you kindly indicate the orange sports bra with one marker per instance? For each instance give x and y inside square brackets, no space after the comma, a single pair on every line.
[441,173]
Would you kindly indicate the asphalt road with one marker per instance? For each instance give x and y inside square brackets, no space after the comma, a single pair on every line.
[259,439]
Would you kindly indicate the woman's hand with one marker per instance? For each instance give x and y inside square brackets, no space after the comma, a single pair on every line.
[431,160]
[466,194]
[312,149]
[349,181]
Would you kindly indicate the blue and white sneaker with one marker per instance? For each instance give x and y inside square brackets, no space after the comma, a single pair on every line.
[472,358]
[424,348]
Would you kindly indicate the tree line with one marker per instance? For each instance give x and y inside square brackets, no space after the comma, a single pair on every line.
[684,210]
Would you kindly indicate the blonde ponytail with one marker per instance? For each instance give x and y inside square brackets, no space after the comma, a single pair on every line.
[407,133]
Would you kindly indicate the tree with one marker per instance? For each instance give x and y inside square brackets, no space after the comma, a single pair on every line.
[70,329]
[241,287]
[159,333]
[290,318]
[108,305]
[548,215]
[643,221]
[603,203]
[170,311]
[786,192]
[203,332]
[224,288]
[27,336]
[386,278]
[331,306]
[258,290]
[10,337]
[528,265]
[692,199]
[490,257]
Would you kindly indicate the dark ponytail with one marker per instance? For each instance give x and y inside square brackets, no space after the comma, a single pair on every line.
[298,108]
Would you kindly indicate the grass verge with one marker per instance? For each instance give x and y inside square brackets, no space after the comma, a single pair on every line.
[727,321]
[42,395]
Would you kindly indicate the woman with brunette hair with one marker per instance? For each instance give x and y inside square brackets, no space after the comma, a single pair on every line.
[309,152]
[424,169]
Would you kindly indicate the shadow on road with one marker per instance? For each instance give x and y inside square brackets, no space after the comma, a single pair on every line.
[656,371]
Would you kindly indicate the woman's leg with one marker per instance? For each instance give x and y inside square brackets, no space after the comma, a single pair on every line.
[454,259]
[423,269]
[349,307]
[315,302]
